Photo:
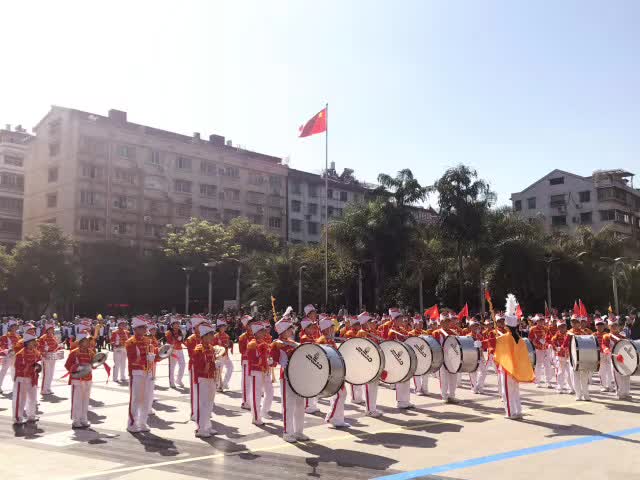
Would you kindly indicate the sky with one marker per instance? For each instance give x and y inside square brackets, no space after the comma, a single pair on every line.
[512,88]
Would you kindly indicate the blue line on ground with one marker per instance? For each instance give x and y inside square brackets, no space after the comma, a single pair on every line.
[474,462]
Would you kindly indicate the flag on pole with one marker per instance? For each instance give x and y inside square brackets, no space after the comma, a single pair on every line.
[610,309]
[583,309]
[547,312]
[576,309]
[432,313]
[317,124]
[464,313]
[519,313]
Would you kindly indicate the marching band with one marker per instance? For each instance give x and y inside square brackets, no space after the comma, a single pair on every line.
[329,360]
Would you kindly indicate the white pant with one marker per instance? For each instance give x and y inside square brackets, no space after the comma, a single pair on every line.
[173,362]
[205,396]
[403,394]
[261,386]
[543,365]
[24,399]
[193,396]
[246,384]
[421,383]
[119,364]
[623,385]
[226,366]
[7,363]
[336,409]
[448,383]
[48,368]
[563,378]
[581,384]
[479,374]
[140,390]
[311,403]
[483,368]
[357,393]
[80,395]
[606,371]
[292,409]
[371,396]
[511,395]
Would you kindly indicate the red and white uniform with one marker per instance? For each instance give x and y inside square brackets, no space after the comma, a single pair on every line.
[260,375]
[176,359]
[292,403]
[25,386]
[226,365]
[357,391]
[141,359]
[539,337]
[204,381]
[310,335]
[579,379]
[563,377]
[80,387]
[48,346]
[403,389]
[605,371]
[336,407]
[7,342]
[245,381]
[191,343]
[118,340]
[477,378]
[371,388]
[623,384]
[448,381]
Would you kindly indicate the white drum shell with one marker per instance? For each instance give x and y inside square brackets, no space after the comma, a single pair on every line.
[364,360]
[460,354]
[629,350]
[428,353]
[532,351]
[400,361]
[584,353]
[315,370]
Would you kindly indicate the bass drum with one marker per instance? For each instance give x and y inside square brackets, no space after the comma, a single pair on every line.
[364,360]
[428,352]
[315,370]
[460,354]
[584,353]
[532,351]
[626,357]
[400,362]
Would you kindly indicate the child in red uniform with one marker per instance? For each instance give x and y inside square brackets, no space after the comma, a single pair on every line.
[204,380]
[25,386]
[80,387]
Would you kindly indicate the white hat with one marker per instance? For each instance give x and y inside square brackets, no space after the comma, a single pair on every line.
[256,327]
[28,337]
[394,312]
[12,321]
[417,319]
[152,326]
[561,323]
[511,320]
[48,325]
[309,308]
[197,320]
[306,322]
[364,317]
[282,325]
[82,336]
[613,322]
[574,317]
[499,317]
[288,311]
[245,319]
[537,318]
[600,321]
[221,322]
[472,323]
[444,316]
[206,328]
[175,320]
[325,323]
[138,322]
[123,320]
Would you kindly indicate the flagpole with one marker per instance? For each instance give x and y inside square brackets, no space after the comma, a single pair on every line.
[326,210]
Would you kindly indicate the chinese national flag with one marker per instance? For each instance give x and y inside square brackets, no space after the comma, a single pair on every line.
[464,313]
[433,313]
[317,124]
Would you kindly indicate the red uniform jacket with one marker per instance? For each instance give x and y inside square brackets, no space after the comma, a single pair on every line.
[204,362]
[77,358]
[137,350]
[258,356]
[47,344]
[25,364]
[174,339]
[119,338]
[280,354]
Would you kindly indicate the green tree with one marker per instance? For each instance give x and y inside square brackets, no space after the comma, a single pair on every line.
[200,241]
[404,188]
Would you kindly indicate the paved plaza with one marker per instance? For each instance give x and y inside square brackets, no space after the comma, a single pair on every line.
[558,438]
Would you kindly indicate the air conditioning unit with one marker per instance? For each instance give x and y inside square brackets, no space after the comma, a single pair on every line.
[147,218]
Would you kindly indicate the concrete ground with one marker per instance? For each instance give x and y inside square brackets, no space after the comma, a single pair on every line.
[558,438]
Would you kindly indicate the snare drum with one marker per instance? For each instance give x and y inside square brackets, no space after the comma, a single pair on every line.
[364,360]
[400,361]
[428,352]
[584,353]
[626,357]
[460,354]
[315,370]
[532,351]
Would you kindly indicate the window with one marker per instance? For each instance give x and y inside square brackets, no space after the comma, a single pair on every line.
[586,218]
[330,211]
[257,219]
[556,181]
[126,151]
[338,212]
[275,181]
[154,159]
[585,196]
[209,213]
[557,201]
[622,217]
[124,202]
[122,228]
[10,226]
[125,176]
[11,204]
[183,163]
[183,210]
[233,172]
[92,145]
[296,226]
[275,222]
[612,193]
[313,191]
[151,230]
[53,174]
[12,181]
[517,205]
[256,198]
[208,190]
[230,214]
[54,149]
[54,126]
[296,205]
[232,194]
[256,178]
[312,208]
[296,188]
[344,196]
[558,220]
[330,193]
[606,215]
[52,200]
[313,228]
[13,160]
[92,171]
[88,198]
[208,168]
[531,203]
[182,186]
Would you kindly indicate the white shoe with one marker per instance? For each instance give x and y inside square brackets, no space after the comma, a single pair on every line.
[33,419]
[133,429]
[420,394]
[301,437]
[257,422]
[181,384]
[361,402]
[604,389]
[204,434]
[539,385]
[406,406]
[85,424]
[245,407]
[77,425]
[338,424]
[22,421]
[374,414]
[312,410]
[290,438]
[549,385]
[144,428]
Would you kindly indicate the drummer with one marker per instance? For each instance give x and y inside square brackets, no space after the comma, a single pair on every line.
[580,378]
[371,388]
[357,391]
[245,380]
[420,382]
[222,339]
[398,333]
[79,358]
[623,383]
[191,343]
[48,346]
[561,351]
[25,386]
[204,368]
[539,336]
[174,338]
[310,334]
[448,380]
[475,332]
[606,367]
[260,372]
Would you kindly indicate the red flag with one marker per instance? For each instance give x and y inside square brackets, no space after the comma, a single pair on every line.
[487,295]
[464,312]
[433,313]
[576,309]
[317,124]
[519,312]
[547,313]
[583,309]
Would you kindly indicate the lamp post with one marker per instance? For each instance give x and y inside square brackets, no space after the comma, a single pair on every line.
[360,285]
[209,266]
[187,271]
[238,273]
[549,260]
[300,270]
[614,262]
[483,288]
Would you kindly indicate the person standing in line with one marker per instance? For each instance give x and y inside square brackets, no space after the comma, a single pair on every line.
[118,339]
[25,386]
[80,387]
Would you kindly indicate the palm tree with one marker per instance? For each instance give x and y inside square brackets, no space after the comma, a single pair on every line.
[404,188]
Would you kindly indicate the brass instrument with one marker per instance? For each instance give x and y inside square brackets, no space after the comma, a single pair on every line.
[165,351]
[98,359]
[287,342]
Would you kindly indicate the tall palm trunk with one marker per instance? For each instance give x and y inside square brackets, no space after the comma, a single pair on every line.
[460,277]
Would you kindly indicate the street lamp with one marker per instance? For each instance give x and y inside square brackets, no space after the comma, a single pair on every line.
[615,262]
[209,266]
[360,285]
[239,272]
[187,271]
[300,270]
[549,260]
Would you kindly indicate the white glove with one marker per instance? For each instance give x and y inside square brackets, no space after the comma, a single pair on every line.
[270,361]
[542,341]
[477,344]
[151,357]
[218,363]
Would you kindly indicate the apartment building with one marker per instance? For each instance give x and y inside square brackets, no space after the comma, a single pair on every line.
[306,200]
[106,178]
[14,145]
[563,201]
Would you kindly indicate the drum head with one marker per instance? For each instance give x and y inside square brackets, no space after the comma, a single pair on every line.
[625,358]
[83,371]
[452,354]
[308,370]
[574,357]
[363,360]
[423,354]
[397,361]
